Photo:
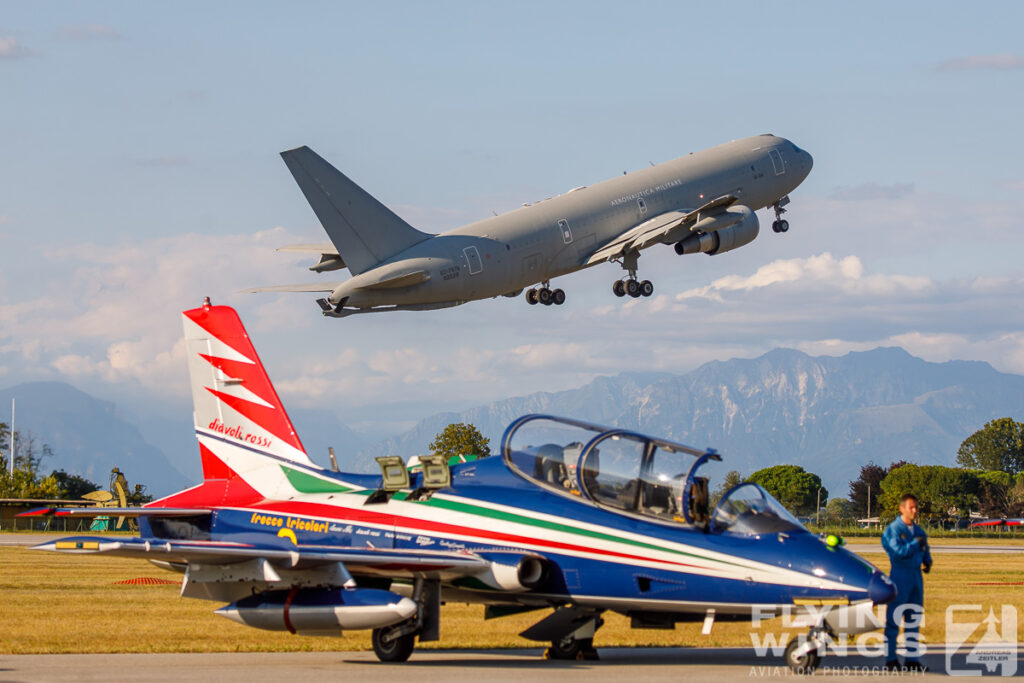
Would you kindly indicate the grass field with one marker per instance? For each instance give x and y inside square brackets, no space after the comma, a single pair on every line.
[51,603]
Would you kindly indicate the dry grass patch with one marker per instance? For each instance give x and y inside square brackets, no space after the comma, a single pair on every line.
[54,603]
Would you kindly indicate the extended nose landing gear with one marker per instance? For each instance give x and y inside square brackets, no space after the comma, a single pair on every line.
[545,296]
[780,224]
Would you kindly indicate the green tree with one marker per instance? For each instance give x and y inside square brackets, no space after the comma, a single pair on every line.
[73,486]
[941,491]
[792,486]
[732,478]
[460,439]
[999,445]
[839,511]
[26,482]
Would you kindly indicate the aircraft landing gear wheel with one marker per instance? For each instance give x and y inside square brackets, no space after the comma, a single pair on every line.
[395,650]
[646,288]
[571,648]
[619,288]
[633,288]
[531,297]
[544,296]
[805,664]
[783,225]
[558,297]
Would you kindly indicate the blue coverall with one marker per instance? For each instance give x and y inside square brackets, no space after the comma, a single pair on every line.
[906,556]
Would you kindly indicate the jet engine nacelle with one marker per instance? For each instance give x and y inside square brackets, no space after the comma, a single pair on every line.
[514,572]
[318,611]
[741,232]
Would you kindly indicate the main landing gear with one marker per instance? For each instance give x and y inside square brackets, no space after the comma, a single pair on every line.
[780,224]
[633,287]
[545,296]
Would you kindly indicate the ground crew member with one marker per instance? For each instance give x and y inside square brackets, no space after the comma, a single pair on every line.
[907,546]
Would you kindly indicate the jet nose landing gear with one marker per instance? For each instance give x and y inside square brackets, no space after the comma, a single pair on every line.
[780,224]
[545,296]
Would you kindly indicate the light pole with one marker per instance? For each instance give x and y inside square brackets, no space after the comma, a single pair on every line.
[817,518]
[869,502]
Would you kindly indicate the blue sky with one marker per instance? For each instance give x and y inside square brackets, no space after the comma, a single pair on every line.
[140,173]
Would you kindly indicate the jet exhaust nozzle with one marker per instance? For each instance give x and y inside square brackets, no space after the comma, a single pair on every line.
[314,611]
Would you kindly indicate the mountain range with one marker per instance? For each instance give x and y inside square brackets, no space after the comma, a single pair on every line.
[828,414]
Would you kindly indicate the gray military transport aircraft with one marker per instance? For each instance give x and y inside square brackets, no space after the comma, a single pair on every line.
[701,203]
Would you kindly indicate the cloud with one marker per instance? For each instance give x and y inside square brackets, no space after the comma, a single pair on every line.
[822,271]
[1001,62]
[83,33]
[872,191]
[115,316]
[11,49]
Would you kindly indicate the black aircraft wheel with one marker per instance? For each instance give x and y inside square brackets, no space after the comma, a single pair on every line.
[646,288]
[544,296]
[775,226]
[783,225]
[619,288]
[633,288]
[531,297]
[558,297]
[570,648]
[397,650]
[801,665]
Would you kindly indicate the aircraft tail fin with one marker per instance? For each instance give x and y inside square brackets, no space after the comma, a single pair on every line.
[238,414]
[365,231]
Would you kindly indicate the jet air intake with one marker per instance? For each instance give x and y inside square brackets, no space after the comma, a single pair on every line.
[514,572]
[741,230]
[318,611]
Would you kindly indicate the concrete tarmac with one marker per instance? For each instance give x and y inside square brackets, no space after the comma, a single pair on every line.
[616,664]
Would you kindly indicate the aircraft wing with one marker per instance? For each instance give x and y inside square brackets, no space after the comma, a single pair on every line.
[222,552]
[94,511]
[666,227]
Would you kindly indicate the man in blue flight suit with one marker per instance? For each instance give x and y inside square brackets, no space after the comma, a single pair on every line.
[907,547]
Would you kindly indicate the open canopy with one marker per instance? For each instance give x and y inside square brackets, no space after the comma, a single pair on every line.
[615,468]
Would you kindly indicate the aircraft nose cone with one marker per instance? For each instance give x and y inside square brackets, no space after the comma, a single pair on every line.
[880,588]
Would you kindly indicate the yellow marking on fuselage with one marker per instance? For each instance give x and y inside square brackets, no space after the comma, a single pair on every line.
[289,534]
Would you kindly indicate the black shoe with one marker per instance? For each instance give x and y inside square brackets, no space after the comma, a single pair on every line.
[915,665]
[892,665]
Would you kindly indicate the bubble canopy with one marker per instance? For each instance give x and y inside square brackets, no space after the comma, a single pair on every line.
[615,468]
[750,510]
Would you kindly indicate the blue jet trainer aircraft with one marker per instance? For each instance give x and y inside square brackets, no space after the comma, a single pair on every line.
[571,516]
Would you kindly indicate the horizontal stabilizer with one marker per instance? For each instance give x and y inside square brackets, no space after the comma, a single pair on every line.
[364,231]
[311,287]
[397,281]
[311,248]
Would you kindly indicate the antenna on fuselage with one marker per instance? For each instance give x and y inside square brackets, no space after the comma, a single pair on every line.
[334,462]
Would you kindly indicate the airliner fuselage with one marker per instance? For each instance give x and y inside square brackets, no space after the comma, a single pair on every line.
[701,203]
